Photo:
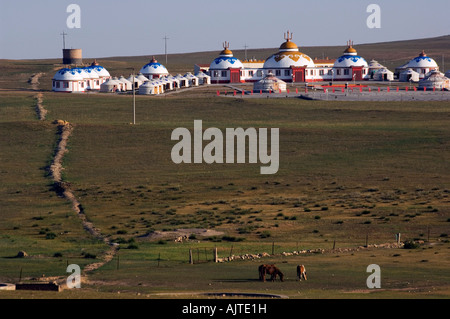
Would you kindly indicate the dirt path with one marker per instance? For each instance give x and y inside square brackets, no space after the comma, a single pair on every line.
[62,188]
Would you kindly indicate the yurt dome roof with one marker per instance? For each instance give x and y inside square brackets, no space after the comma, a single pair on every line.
[101,71]
[226,60]
[69,75]
[350,58]
[154,68]
[422,61]
[288,56]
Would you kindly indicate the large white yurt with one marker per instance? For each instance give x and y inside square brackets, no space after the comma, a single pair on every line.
[226,68]
[154,70]
[435,80]
[409,75]
[283,63]
[151,88]
[203,78]
[423,65]
[383,75]
[351,66]
[69,81]
[110,86]
[269,83]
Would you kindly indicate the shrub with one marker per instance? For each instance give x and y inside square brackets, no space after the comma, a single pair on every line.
[265,234]
[57,255]
[133,246]
[50,236]
[411,245]
[89,256]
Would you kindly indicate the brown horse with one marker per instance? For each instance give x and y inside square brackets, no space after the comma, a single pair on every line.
[301,272]
[271,270]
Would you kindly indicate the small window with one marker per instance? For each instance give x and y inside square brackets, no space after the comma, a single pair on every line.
[66,85]
[58,84]
[216,74]
[250,73]
[321,72]
[224,74]
[278,72]
[330,72]
[259,73]
[338,71]
[346,72]
[287,72]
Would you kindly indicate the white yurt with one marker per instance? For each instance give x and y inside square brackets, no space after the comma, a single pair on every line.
[374,66]
[226,68]
[269,83]
[128,86]
[203,78]
[168,84]
[110,86]
[69,81]
[345,66]
[383,75]
[150,88]
[183,82]
[409,75]
[435,79]
[154,70]
[193,80]
[137,81]
[142,78]
[175,81]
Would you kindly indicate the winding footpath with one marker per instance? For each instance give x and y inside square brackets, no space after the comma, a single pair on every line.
[62,188]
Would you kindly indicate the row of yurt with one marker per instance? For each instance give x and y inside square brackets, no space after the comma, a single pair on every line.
[435,80]
[116,85]
[82,79]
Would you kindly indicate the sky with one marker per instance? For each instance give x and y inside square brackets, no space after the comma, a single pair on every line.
[32,29]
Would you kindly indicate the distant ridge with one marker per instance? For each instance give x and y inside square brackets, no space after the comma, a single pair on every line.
[392,53]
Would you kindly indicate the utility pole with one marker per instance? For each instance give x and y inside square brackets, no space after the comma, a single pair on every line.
[64,39]
[246,46]
[165,46]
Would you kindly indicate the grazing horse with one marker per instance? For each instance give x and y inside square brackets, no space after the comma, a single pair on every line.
[301,272]
[270,270]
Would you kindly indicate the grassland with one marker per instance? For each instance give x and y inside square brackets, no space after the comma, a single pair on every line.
[349,172]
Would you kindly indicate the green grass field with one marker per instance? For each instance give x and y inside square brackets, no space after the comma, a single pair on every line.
[350,172]
[347,171]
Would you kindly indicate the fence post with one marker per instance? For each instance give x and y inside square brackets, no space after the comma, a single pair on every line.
[273,247]
[215,255]
[191,261]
